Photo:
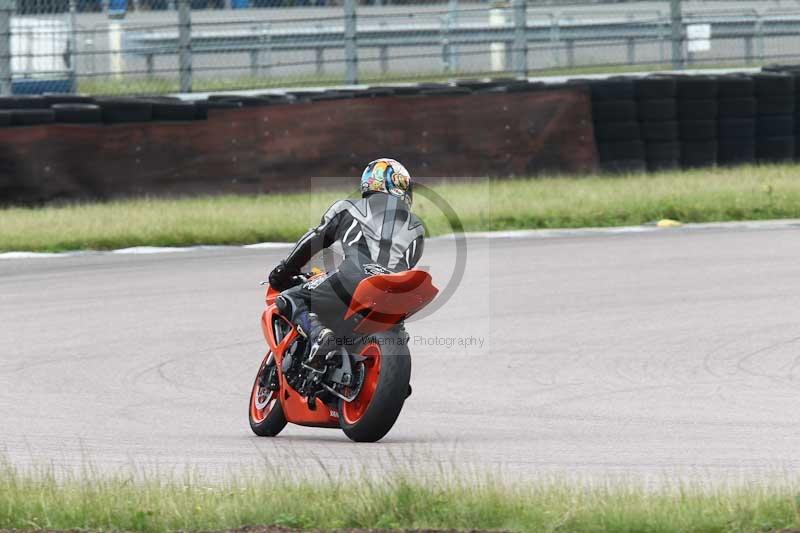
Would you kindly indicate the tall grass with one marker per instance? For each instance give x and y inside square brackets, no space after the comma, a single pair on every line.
[744,193]
[399,501]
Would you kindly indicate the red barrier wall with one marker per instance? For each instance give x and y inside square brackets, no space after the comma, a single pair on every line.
[262,149]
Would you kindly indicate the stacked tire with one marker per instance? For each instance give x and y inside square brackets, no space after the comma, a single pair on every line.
[775,101]
[697,120]
[736,126]
[657,113]
[616,126]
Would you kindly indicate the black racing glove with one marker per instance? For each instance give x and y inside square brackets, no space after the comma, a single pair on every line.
[281,277]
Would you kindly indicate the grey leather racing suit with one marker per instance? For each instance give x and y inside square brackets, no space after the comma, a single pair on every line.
[378,234]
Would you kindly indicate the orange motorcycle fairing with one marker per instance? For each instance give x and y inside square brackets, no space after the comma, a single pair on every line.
[295,406]
[385,300]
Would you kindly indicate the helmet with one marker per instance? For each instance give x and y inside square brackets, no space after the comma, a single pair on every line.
[387,176]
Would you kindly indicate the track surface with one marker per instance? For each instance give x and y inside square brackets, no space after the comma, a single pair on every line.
[673,353]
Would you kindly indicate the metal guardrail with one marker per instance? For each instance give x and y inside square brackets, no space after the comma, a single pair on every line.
[517,33]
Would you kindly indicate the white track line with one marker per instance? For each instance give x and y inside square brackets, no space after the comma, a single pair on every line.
[516,234]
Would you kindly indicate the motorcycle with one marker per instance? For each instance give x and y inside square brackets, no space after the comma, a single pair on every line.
[363,384]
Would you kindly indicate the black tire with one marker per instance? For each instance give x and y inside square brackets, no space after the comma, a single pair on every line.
[655,88]
[663,150]
[614,88]
[614,111]
[775,126]
[697,109]
[334,95]
[32,101]
[655,165]
[375,92]
[447,91]
[775,149]
[121,110]
[621,151]
[698,154]
[403,91]
[277,99]
[526,87]
[624,166]
[735,86]
[773,83]
[275,420]
[32,117]
[179,110]
[778,67]
[58,98]
[9,102]
[698,130]
[77,113]
[617,131]
[203,107]
[473,84]
[439,85]
[390,393]
[775,104]
[244,101]
[696,87]
[664,109]
[736,107]
[736,152]
[659,131]
[737,128]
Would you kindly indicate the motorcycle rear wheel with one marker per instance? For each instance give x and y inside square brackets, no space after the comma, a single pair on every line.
[387,372]
[265,411]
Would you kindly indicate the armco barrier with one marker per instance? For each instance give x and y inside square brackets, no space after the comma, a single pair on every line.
[286,142]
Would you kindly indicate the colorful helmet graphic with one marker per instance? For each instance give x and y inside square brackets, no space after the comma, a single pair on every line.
[388,176]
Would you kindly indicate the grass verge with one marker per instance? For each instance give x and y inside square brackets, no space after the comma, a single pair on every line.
[399,501]
[744,193]
[162,84]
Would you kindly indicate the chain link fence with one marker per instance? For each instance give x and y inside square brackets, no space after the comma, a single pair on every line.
[167,46]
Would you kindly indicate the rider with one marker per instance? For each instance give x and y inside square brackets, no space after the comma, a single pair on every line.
[379,234]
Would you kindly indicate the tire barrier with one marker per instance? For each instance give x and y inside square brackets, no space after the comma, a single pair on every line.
[616,126]
[775,93]
[697,118]
[657,113]
[700,120]
[737,107]
[230,143]
[258,144]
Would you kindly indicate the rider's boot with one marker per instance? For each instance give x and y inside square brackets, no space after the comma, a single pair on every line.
[322,340]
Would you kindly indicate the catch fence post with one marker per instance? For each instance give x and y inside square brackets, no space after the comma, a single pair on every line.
[7,8]
[185,45]
[350,47]
[73,46]
[676,19]
[520,38]
[452,21]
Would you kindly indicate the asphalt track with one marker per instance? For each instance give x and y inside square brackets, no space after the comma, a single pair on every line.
[660,355]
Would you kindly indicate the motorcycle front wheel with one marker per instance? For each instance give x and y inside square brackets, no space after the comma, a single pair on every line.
[265,413]
[386,373]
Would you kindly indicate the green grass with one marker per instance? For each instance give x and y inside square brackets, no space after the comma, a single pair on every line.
[397,501]
[744,193]
[163,85]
